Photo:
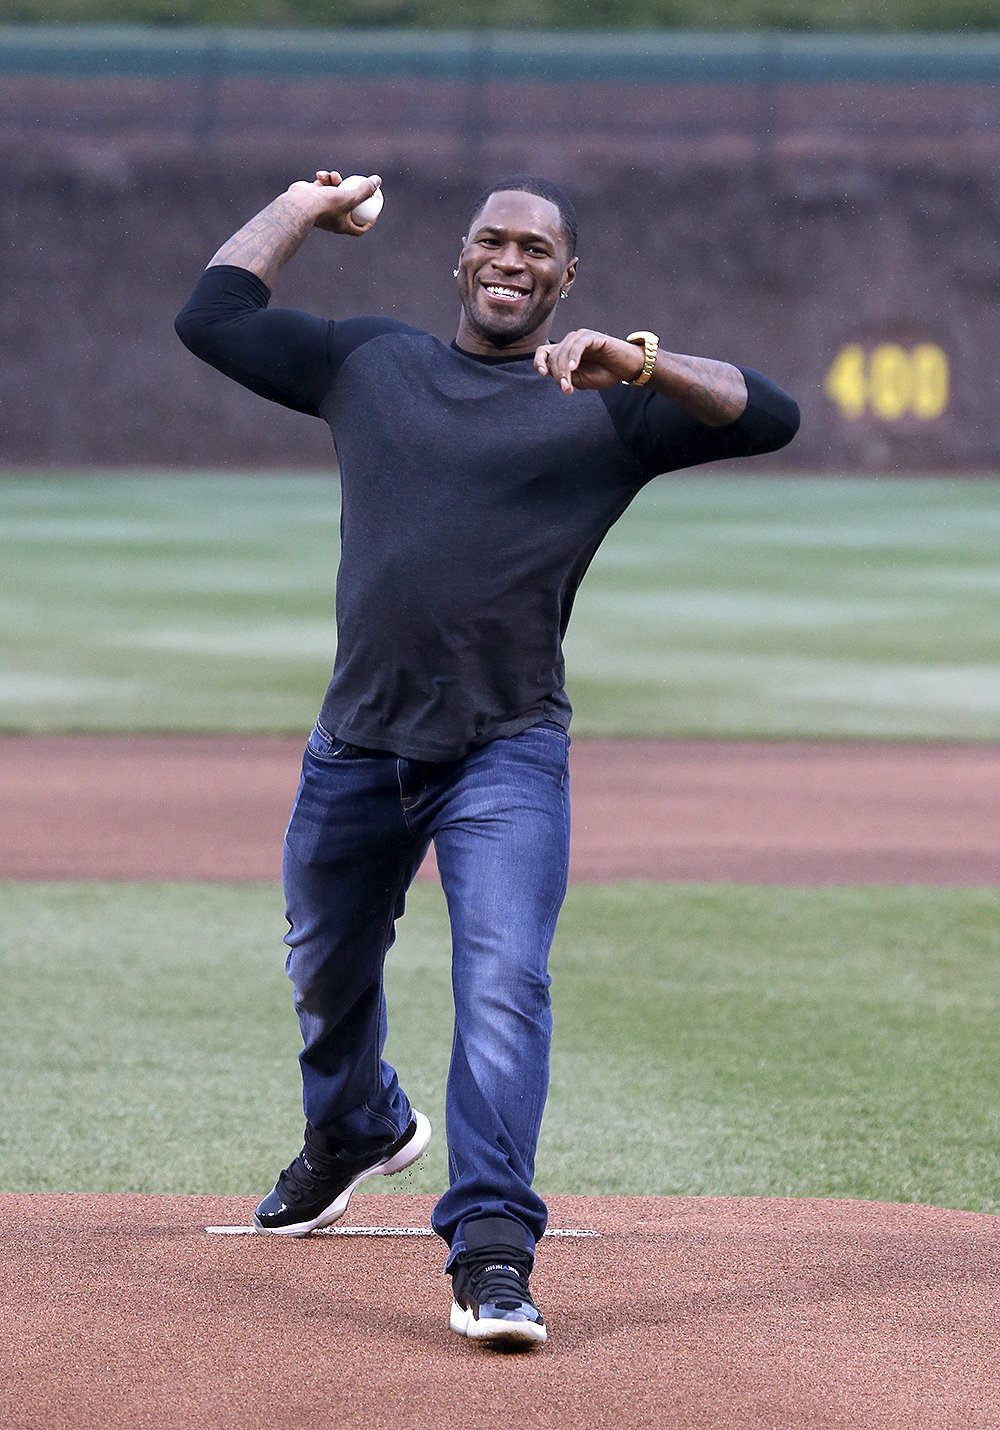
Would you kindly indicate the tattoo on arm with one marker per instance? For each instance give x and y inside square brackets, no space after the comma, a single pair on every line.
[268,241]
[714,392]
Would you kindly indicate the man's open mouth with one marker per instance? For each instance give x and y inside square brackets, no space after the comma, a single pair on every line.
[504,294]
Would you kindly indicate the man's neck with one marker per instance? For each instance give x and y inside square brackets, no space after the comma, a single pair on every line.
[471,341]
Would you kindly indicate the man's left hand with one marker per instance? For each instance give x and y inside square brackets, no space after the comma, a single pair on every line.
[587,359]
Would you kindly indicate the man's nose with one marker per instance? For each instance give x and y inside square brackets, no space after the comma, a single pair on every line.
[509,257]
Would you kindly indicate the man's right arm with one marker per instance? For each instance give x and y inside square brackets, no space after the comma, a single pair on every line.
[281,354]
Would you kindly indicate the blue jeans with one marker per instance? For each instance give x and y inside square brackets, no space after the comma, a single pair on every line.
[362,822]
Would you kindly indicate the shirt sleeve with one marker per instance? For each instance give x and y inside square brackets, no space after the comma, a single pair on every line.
[664,437]
[279,353]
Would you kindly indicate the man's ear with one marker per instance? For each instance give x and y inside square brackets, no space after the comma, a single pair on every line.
[570,274]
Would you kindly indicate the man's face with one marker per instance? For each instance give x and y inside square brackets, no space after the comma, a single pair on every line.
[512,267]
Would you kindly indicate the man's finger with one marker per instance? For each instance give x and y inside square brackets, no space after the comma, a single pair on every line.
[570,355]
[372,182]
[542,355]
[579,346]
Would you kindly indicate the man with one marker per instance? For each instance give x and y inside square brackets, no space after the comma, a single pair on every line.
[478,480]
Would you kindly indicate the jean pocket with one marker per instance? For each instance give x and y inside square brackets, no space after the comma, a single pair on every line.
[323,746]
[549,727]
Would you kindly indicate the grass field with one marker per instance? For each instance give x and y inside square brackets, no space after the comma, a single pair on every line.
[718,606]
[709,1040]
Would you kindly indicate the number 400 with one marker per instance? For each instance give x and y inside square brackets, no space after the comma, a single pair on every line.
[890,381]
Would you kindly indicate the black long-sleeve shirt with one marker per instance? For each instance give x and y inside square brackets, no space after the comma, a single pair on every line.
[475,494]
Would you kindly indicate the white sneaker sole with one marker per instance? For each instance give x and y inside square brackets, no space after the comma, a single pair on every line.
[520,1333]
[415,1148]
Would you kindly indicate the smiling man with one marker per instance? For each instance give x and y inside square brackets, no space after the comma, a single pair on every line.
[478,480]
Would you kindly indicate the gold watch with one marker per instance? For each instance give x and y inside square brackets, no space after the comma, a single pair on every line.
[650,343]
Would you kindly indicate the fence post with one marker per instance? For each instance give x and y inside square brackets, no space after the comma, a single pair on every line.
[213,65]
[768,77]
[477,107]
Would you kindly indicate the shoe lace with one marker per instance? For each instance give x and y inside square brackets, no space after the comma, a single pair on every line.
[498,1277]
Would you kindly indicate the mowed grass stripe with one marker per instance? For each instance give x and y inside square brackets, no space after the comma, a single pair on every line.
[718,606]
[709,1040]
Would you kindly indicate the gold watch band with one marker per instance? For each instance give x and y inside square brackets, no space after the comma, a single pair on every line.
[651,344]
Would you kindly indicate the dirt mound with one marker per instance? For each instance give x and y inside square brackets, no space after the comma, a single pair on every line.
[684,1312]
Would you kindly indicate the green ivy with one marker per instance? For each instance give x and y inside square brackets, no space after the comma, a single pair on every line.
[802,15]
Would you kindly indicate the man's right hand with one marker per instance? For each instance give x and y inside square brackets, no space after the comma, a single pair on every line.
[332,208]
[265,244]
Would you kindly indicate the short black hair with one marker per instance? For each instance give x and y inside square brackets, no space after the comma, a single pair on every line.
[543,189]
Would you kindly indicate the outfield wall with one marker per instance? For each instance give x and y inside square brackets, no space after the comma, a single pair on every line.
[827,215]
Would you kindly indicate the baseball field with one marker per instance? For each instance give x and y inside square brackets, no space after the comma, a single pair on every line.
[774,1093]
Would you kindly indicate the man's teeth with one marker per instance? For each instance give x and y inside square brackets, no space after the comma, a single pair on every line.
[499,292]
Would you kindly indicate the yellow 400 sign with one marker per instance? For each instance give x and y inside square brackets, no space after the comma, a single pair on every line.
[890,381]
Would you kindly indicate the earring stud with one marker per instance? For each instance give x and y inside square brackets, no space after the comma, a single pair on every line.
[454,273]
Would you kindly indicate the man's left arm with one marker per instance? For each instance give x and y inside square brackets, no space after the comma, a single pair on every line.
[713,392]
[713,409]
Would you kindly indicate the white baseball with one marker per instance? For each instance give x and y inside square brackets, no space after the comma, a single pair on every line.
[368,209]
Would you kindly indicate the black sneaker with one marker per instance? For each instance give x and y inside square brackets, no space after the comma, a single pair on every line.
[315,1189]
[490,1285]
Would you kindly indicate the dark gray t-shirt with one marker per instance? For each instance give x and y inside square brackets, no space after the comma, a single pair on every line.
[475,494]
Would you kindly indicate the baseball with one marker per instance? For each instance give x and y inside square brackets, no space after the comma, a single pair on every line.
[369,209]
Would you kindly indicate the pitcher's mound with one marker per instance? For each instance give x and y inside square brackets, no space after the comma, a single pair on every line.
[682,1312]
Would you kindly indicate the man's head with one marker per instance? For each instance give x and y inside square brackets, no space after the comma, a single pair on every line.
[518,256]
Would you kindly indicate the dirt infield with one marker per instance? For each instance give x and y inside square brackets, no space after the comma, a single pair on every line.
[685,1313]
[174,807]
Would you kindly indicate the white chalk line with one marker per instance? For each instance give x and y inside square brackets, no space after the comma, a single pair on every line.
[579,1232]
